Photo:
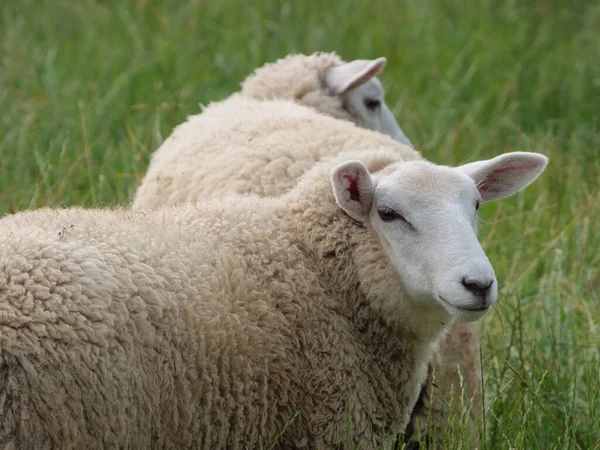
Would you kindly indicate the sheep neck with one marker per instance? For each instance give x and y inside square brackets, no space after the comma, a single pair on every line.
[396,352]
[350,261]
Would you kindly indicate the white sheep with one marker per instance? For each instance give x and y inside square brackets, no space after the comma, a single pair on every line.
[246,146]
[322,81]
[242,145]
[220,324]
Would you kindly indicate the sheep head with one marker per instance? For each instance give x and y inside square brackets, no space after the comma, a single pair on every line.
[363,96]
[321,81]
[425,218]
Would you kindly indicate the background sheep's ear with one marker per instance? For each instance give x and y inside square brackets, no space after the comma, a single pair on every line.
[353,189]
[506,174]
[340,79]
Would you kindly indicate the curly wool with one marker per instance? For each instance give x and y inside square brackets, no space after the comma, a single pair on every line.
[188,327]
[299,78]
[241,146]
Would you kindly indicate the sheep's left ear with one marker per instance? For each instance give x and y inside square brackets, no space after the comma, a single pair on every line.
[341,78]
[506,174]
[353,189]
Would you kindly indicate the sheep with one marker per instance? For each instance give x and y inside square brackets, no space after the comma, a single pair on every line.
[244,320]
[245,146]
[241,145]
[322,81]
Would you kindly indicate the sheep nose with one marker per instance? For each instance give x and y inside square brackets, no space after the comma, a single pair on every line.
[479,288]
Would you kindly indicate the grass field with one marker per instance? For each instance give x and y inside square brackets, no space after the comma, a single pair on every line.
[88,90]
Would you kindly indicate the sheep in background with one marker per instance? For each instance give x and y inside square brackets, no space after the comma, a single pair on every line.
[323,82]
[212,325]
[241,146]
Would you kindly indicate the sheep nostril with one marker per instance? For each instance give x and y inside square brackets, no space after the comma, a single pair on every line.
[478,288]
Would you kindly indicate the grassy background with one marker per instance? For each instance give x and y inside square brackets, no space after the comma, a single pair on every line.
[88,90]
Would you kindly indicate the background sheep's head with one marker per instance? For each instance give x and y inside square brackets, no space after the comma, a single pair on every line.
[426,218]
[363,97]
[324,82]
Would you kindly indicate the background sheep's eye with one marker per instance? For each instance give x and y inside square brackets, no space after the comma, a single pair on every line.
[372,103]
[388,215]
[476,205]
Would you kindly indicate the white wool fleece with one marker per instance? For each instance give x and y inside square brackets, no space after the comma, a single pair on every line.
[245,146]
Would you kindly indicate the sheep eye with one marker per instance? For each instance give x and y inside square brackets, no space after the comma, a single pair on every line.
[477,205]
[389,215]
[372,103]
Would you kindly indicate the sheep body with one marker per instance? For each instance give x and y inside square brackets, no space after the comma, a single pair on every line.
[241,146]
[245,146]
[188,327]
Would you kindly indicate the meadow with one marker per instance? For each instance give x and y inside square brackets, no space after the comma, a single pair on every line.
[89,89]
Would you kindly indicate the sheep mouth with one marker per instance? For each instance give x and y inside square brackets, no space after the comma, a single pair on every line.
[464,308]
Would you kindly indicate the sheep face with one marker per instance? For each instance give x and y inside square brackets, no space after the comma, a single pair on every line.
[425,217]
[362,95]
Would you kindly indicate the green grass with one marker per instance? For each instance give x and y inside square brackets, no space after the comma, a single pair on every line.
[88,90]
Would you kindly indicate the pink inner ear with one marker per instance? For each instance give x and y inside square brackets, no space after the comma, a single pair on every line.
[353,188]
[488,184]
[516,169]
[371,72]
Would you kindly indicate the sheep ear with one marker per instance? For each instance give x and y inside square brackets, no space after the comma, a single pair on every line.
[353,189]
[340,79]
[506,174]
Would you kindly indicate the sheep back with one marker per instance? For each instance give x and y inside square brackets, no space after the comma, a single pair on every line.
[243,146]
